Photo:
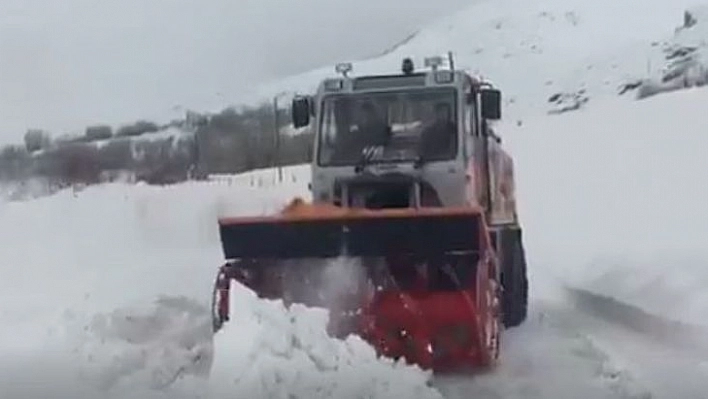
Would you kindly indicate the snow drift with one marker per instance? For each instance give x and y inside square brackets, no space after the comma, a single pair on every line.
[613,200]
[270,351]
[111,286]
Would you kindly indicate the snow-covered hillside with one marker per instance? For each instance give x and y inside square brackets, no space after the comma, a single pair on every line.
[567,51]
[614,200]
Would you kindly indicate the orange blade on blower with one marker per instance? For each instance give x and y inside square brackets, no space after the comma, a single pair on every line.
[324,231]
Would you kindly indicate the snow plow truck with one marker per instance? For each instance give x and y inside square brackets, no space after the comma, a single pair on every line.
[412,239]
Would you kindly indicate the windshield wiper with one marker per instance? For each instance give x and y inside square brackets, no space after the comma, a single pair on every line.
[367,154]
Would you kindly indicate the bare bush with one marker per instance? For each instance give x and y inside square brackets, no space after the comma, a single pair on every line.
[100,132]
[36,140]
[231,141]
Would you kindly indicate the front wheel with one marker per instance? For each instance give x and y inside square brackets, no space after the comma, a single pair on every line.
[492,324]
[515,281]
[220,298]
[222,286]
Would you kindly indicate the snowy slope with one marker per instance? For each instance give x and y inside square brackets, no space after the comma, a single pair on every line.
[614,200]
[535,50]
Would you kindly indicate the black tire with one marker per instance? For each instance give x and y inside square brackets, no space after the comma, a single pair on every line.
[217,320]
[524,283]
[515,284]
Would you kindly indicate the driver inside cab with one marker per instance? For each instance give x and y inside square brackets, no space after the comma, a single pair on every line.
[438,138]
[372,129]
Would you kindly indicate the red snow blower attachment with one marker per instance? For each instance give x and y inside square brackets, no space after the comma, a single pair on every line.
[424,289]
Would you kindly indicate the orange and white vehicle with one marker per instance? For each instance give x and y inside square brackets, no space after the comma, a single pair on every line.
[408,180]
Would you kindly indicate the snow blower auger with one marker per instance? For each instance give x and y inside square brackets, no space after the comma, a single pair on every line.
[412,239]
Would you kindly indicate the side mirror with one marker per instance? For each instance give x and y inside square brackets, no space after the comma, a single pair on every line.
[301,111]
[491,104]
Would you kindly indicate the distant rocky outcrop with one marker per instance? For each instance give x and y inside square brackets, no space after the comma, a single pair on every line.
[685,58]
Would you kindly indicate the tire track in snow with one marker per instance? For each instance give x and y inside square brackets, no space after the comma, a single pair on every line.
[547,358]
[679,335]
[666,356]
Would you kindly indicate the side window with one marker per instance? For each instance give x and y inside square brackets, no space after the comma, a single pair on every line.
[469,129]
[328,132]
[468,119]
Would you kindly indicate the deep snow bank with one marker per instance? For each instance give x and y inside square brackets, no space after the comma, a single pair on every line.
[82,274]
[274,352]
[613,200]
[144,346]
[109,289]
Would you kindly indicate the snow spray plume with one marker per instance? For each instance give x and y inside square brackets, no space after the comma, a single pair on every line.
[343,282]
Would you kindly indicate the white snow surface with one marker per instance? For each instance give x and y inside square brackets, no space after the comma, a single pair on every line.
[534,49]
[109,289]
[285,353]
[613,200]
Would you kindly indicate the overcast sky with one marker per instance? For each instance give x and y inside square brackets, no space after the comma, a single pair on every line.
[68,63]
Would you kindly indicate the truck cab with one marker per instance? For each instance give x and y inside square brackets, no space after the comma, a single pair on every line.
[417,138]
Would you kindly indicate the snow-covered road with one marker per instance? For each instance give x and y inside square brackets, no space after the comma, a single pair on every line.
[584,345]
[548,358]
[667,358]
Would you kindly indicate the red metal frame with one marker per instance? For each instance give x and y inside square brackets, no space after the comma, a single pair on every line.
[426,317]
[440,330]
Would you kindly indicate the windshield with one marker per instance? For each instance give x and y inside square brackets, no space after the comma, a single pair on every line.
[390,127]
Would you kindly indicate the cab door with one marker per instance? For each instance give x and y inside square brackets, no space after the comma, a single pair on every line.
[501,177]
[475,180]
